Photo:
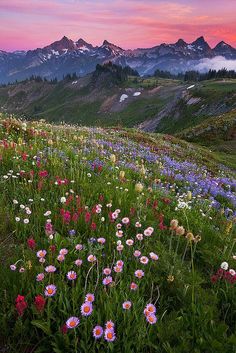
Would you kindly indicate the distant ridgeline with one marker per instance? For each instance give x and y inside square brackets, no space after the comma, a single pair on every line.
[116,73]
[196,75]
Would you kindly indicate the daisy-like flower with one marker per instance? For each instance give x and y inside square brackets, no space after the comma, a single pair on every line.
[72,322]
[120,247]
[89,297]
[125,220]
[148,232]
[144,260]
[50,290]
[110,325]
[13,267]
[101,240]
[137,253]
[138,225]
[114,215]
[41,253]
[97,332]
[107,271]
[71,275]
[127,305]
[109,335]
[60,258]
[118,269]
[133,286]
[119,226]
[139,236]
[79,247]
[63,252]
[40,277]
[151,319]
[107,280]
[150,309]
[119,233]
[91,258]
[139,273]
[50,269]
[86,309]
[78,262]
[129,242]
[153,256]
[119,263]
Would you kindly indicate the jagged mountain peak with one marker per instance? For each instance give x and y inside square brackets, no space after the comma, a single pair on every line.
[180,43]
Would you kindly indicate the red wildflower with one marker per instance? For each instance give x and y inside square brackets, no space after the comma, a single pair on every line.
[39,303]
[64,329]
[93,226]
[31,243]
[20,304]
[87,217]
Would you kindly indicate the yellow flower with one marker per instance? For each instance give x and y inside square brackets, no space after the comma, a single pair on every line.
[189,195]
[139,187]
[122,174]
[29,264]
[170,278]
[113,158]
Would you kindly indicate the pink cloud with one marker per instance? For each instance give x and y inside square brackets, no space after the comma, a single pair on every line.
[33,23]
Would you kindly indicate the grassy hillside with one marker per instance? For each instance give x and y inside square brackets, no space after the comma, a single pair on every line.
[218,134]
[110,236]
[206,99]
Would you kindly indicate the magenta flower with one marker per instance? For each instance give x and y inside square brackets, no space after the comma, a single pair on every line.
[71,275]
[50,290]
[86,309]
[97,332]
[72,322]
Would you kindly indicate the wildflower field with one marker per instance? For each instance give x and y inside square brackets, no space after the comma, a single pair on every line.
[112,240]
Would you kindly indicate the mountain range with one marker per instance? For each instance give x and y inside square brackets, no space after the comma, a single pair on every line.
[67,56]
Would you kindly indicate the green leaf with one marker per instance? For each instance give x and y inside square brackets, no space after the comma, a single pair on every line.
[42,325]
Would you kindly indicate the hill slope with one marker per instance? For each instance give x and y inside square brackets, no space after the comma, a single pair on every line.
[152,104]
[111,236]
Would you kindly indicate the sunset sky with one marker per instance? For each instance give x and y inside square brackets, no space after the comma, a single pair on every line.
[27,24]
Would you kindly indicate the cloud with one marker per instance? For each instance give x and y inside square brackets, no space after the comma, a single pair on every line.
[216,63]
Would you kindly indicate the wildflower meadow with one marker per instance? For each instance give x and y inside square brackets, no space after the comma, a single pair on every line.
[114,240]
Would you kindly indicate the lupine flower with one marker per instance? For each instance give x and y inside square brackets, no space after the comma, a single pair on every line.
[72,322]
[97,332]
[86,309]
[50,290]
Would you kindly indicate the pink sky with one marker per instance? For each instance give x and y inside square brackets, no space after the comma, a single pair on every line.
[27,24]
